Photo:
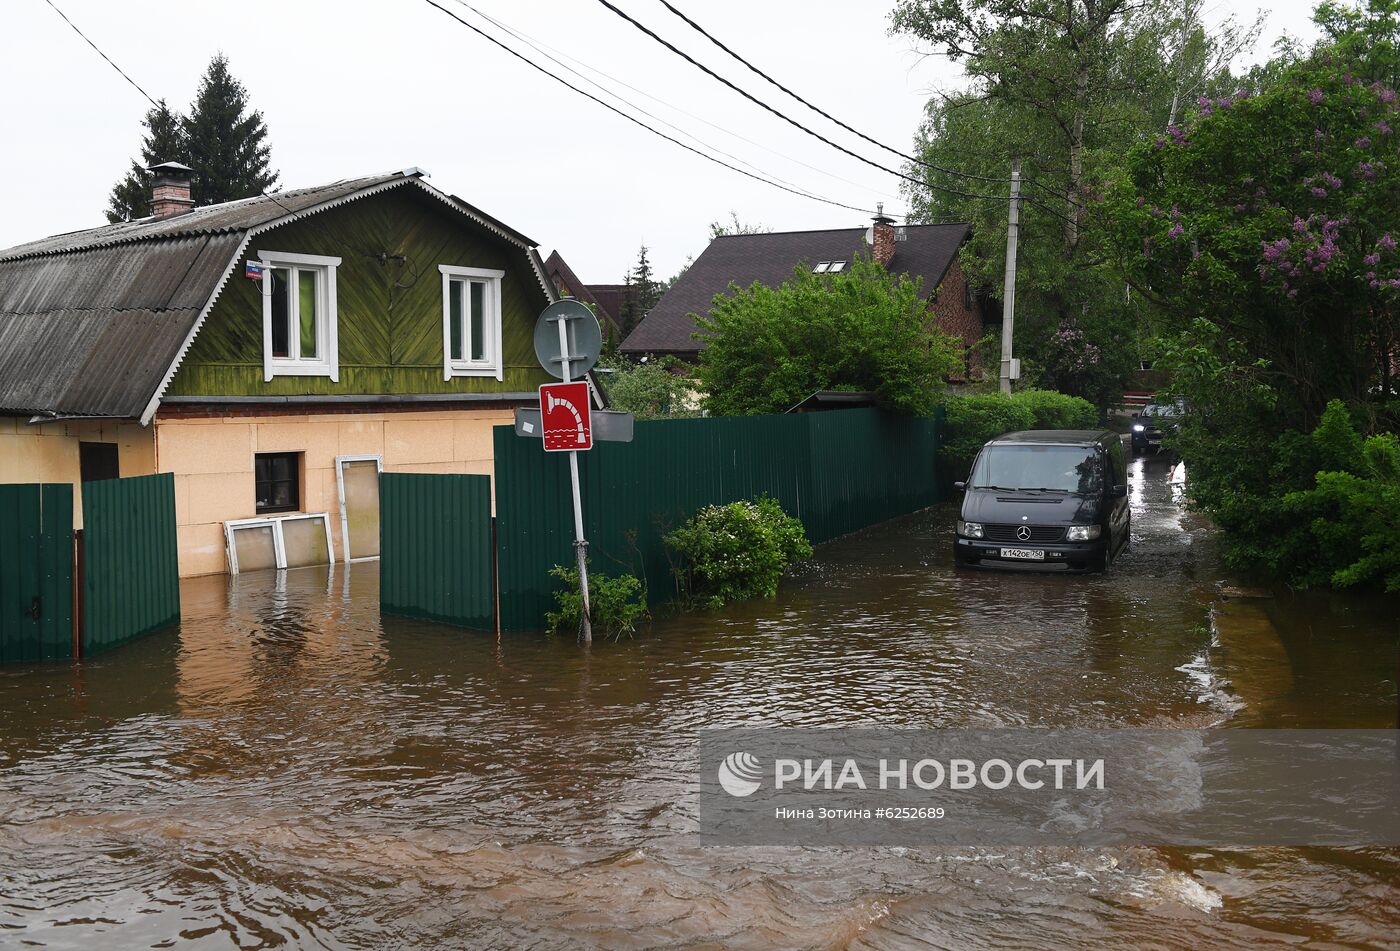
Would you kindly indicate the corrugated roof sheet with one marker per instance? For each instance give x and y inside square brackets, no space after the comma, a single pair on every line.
[925,251]
[92,332]
[91,321]
[230,216]
[85,362]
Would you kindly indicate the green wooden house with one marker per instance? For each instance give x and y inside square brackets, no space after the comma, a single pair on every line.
[275,353]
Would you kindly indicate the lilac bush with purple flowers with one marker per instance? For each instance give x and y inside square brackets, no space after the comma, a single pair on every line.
[1276,284]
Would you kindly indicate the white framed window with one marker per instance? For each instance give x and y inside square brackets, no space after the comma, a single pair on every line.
[299,315]
[471,322]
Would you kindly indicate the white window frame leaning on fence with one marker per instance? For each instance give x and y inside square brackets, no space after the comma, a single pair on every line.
[274,522]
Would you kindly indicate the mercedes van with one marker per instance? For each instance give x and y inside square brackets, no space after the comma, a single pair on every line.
[1045,498]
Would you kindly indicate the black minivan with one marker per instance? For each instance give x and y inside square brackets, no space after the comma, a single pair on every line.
[1054,497]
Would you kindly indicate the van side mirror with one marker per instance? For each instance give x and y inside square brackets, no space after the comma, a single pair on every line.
[1120,491]
[960,486]
[1136,415]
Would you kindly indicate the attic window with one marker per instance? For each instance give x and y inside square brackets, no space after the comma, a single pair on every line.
[836,266]
[821,268]
[471,322]
[299,315]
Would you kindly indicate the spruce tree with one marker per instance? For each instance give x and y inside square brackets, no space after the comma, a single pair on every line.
[226,141]
[164,141]
[648,290]
[641,294]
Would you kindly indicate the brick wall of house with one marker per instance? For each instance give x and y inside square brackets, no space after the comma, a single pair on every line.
[958,315]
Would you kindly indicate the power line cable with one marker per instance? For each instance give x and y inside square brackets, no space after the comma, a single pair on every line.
[786,118]
[553,53]
[636,121]
[133,82]
[822,112]
[793,122]
[541,49]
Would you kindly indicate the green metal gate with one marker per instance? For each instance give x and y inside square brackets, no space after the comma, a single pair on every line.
[435,557]
[36,572]
[130,569]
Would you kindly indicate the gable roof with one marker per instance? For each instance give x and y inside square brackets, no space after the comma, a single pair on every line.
[924,251]
[557,268]
[95,323]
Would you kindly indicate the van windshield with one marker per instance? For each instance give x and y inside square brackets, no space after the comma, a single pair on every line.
[1047,468]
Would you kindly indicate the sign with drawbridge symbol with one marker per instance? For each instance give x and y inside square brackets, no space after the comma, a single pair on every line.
[564,417]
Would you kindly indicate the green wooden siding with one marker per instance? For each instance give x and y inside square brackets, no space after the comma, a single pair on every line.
[390,336]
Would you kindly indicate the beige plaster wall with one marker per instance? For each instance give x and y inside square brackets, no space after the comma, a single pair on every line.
[48,452]
[212,459]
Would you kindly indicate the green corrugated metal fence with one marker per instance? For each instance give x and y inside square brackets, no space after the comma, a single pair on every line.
[435,548]
[36,572]
[836,471]
[131,575]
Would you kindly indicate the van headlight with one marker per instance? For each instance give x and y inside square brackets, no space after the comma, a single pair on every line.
[1139,428]
[970,529]
[1083,533]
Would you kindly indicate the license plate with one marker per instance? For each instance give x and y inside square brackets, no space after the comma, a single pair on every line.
[1029,554]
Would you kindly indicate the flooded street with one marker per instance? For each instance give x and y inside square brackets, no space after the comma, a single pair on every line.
[289,770]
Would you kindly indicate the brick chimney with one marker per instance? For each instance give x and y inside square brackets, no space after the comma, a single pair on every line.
[882,245]
[170,189]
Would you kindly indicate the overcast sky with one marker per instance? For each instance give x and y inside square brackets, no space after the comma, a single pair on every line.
[351,88]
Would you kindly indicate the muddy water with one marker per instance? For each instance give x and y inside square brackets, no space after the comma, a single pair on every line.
[287,770]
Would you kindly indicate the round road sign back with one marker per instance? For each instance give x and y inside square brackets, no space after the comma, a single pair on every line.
[585,338]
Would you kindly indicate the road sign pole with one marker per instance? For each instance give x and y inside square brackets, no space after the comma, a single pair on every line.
[580,543]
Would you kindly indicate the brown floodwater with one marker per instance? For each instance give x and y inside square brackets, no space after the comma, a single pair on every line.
[290,770]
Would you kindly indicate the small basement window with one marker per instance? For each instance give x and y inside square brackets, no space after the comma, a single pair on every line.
[277,481]
[471,322]
[299,315]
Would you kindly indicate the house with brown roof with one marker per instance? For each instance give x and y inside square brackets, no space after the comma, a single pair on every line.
[607,300]
[928,252]
[274,353]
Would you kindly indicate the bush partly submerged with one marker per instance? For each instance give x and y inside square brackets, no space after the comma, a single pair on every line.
[617,603]
[736,551]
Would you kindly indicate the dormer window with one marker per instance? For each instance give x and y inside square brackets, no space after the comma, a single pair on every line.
[299,315]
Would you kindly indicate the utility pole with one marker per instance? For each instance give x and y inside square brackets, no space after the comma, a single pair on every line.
[1008,293]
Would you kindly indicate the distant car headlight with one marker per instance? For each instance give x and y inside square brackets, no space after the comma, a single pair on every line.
[1083,533]
[970,529]
[1139,428]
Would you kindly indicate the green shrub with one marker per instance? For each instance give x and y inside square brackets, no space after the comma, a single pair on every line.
[736,551]
[972,420]
[647,390]
[617,602]
[1344,530]
[1052,410]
